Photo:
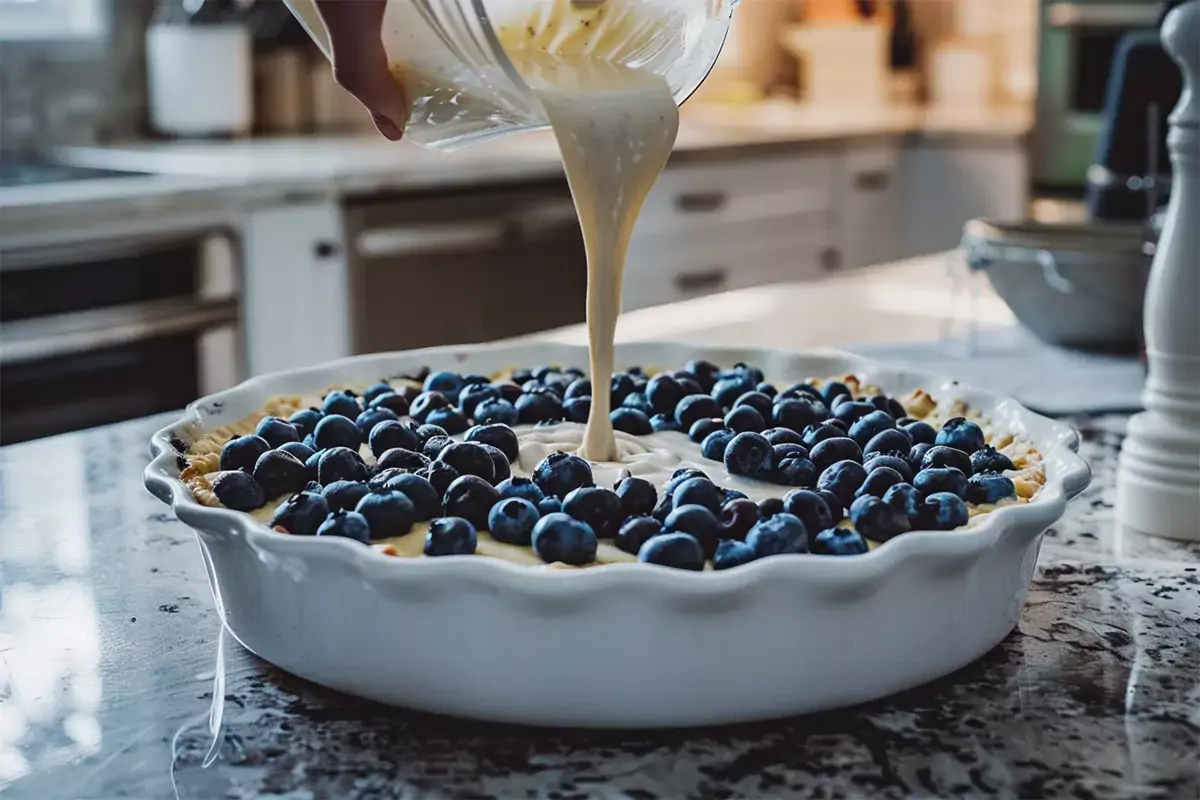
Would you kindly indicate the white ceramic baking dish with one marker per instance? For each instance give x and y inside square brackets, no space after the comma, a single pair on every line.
[627,645]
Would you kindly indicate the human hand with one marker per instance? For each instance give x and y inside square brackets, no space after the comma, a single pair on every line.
[360,64]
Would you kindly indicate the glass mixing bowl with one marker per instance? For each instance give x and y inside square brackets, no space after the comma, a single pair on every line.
[460,60]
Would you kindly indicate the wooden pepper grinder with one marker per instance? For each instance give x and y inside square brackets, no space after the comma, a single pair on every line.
[1158,480]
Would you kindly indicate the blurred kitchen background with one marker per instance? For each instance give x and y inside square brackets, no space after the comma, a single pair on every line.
[187,199]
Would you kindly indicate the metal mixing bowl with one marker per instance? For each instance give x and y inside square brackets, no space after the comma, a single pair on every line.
[1073,285]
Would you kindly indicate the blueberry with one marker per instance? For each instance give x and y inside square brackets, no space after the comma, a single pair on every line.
[826,429]
[830,451]
[921,432]
[916,456]
[636,401]
[836,510]
[471,498]
[499,463]
[368,419]
[344,495]
[392,401]
[838,401]
[744,419]
[243,452]
[865,428]
[732,553]
[733,494]
[239,490]
[727,390]
[469,458]
[696,407]
[697,521]
[511,521]
[376,390]
[599,508]
[878,481]
[786,450]
[426,432]
[783,436]
[905,498]
[440,475]
[549,505]
[664,393]
[795,472]
[342,464]
[621,385]
[663,422]
[944,511]
[989,487]
[637,496]
[853,411]
[426,500]
[782,533]
[768,389]
[341,403]
[448,383]
[401,458]
[702,372]
[748,454]
[433,447]
[797,413]
[701,429]
[680,475]
[523,488]
[877,520]
[888,441]
[301,514]
[305,421]
[544,373]
[843,479]
[475,393]
[844,427]
[635,532]
[769,507]
[960,434]
[451,420]
[388,513]
[543,406]
[737,518]
[753,373]
[581,387]
[631,421]
[311,463]
[496,412]
[675,550]
[303,452]
[389,434]
[558,473]
[561,537]
[577,409]
[336,430]
[346,525]
[276,431]
[279,472]
[521,375]
[426,402]
[989,459]
[379,480]
[839,542]
[833,389]
[941,479]
[700,492]
[892,460]
[451,536]
[944,456]
[800,390]
[810,508]
[687,381]
[533,386]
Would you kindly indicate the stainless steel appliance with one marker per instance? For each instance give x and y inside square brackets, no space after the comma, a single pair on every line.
[112,328]
[1078,43]
[469,267]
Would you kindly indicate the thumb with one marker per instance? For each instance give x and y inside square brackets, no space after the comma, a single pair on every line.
[360,63]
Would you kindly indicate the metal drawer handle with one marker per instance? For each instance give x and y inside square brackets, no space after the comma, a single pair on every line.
[701,281]
[871,180]
[701,202]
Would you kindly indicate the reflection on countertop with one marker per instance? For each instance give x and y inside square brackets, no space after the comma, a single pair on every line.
[112,659]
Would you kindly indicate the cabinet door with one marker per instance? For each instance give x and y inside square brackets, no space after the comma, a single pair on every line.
[948,183]
[868,210]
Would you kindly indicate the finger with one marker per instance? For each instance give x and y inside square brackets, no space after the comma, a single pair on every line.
[360,63]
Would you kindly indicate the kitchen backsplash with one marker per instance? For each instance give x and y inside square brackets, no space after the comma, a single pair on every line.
[80,91]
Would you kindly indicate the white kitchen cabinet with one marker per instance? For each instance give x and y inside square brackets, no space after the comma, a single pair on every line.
[869,198]
[947,182]
[296,301]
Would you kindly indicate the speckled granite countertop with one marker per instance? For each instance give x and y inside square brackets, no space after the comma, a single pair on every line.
[114,676]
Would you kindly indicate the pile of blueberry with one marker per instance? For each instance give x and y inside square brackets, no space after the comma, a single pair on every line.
[891,473]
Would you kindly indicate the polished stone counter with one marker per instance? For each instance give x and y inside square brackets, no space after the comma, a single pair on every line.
[116,680]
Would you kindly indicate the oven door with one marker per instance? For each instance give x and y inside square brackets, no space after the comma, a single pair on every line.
[1078,42]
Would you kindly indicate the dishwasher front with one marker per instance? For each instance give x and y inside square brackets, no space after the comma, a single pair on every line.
[467,266]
